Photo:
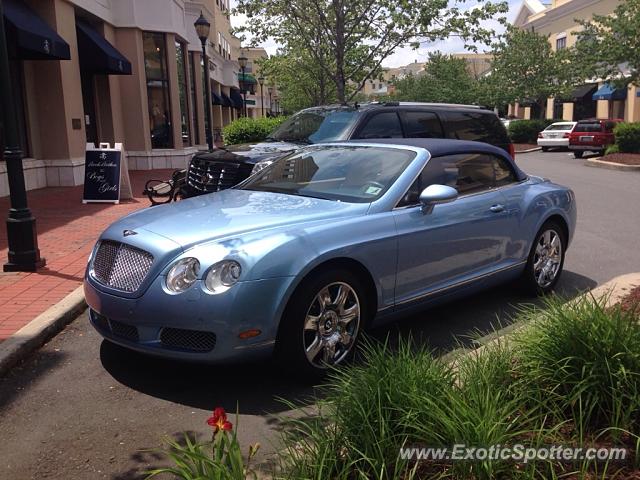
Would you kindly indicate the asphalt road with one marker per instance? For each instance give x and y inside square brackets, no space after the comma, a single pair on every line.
[82,408]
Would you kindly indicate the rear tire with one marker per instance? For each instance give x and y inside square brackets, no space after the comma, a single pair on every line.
[545,149]
[578,153]
[546,259]
[323,322]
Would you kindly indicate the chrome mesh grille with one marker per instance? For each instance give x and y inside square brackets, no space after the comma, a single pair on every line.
[211,176]
[121,266]
[193,340]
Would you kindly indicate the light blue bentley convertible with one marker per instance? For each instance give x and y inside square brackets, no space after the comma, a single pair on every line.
[303,256]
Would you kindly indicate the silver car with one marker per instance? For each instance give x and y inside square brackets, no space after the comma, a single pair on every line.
[555,135]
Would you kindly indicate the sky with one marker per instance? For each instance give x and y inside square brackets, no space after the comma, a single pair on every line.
[406,55]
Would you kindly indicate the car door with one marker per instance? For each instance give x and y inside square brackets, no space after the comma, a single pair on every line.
[457,241]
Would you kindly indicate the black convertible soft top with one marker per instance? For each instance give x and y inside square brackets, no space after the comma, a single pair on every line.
[444,146]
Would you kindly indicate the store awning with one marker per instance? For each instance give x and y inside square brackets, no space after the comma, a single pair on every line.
[97,54]
[226,101]
[29,36]
[579,93]
[609,92]
[215,98]
[236,98]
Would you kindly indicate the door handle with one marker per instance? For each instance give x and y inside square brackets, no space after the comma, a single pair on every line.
[497,208]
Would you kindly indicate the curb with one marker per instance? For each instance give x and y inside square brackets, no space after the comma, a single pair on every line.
[596,162]
[40,329]
[537,149]
[614,290]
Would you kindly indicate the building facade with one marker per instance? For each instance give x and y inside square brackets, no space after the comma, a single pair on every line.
[126,71]
[262,94]
[594,98]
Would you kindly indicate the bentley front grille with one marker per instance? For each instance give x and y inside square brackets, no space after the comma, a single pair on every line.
[121,266]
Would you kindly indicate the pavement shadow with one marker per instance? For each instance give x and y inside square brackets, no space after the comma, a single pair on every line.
[258,388]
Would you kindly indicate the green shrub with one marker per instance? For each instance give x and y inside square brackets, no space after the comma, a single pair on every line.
[628,137]
[584,359]
[246,130]
[612,149]
[526,131]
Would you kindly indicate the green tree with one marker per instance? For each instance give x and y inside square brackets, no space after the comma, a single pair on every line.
[301,82]
[525,67]
[445,79]
[609,45]
[349,39]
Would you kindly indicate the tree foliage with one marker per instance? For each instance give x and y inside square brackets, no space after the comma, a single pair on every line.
[445,79]
[526,67]
[349,39]
[608,46]
[301,82]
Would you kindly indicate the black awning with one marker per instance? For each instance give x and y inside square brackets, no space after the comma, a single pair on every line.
[215,99]
[236,98]
[226,101]
[29,37]
[97,54]
[579,93]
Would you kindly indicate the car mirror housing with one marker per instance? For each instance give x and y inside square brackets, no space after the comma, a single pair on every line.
[437,194]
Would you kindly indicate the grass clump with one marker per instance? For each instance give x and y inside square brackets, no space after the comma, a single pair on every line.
[571,377]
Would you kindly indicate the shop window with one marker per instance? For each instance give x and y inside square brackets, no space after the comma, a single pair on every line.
[183,92]
[194,112]
[155,65]
[561,43]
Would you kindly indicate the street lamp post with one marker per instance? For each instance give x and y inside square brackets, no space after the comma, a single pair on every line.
[202,29]
[242,60]
[22,239]
[270,90]
[261,81]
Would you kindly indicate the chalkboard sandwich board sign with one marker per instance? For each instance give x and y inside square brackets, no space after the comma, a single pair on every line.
[103,173]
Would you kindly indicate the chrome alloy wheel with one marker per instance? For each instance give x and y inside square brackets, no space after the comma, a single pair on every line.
[331,325]
[547,258]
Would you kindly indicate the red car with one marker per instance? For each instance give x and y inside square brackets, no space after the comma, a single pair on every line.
[592,135]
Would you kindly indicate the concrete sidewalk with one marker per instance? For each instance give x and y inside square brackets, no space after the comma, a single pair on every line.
[67,230]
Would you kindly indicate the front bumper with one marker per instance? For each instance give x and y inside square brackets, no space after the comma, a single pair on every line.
[194,325]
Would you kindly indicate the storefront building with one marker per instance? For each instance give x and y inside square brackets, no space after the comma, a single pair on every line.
[126,71]
[594,98]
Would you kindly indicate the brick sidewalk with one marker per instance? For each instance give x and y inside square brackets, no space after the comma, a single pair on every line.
[67,230]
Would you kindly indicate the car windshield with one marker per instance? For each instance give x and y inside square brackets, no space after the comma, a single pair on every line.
[560,126]
[354,174]
[588,127]
[315,126]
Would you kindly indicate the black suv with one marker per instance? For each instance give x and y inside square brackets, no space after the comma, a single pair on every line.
[225,167]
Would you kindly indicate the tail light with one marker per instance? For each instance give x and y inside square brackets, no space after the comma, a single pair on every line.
[512,151]
[566,135]
[540,135]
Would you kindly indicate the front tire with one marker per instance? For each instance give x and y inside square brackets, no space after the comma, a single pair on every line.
[323,322]
[578,153]
[546,259]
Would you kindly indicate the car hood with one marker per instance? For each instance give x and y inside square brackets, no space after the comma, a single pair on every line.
[250,152]
[230,213]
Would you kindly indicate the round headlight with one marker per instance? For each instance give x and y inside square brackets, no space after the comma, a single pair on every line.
[183,274]
[258,167]
[222,276]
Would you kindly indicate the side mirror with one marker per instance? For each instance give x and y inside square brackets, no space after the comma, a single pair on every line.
[437,194]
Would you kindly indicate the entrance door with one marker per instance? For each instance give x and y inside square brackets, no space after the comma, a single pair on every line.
[89,104]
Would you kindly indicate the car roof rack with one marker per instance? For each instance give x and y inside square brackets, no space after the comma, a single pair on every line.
[395,103]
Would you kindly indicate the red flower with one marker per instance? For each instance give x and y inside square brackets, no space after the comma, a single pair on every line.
[219,420]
